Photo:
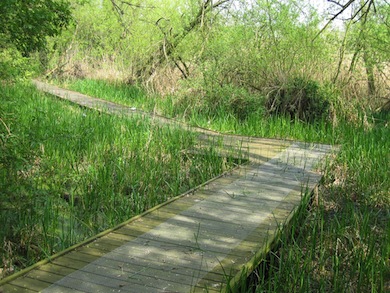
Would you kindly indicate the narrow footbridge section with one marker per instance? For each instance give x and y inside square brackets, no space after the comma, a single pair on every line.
[205,240]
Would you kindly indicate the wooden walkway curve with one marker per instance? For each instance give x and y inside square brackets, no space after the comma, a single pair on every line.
[201,241]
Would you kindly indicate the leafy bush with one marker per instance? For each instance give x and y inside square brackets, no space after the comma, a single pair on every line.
[14,65]
[217,100]
[300,98]
[26,24]
[244,104]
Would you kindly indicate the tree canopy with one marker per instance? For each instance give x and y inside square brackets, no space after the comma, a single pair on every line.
[26,24]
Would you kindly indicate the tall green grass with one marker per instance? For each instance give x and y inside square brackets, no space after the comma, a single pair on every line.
[342,242]
[218,118]
[67,173]
[121,93]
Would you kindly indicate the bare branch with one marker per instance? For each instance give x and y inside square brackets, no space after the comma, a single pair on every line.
[335,2]
[344,7]
[363,15]
[135,5]
[117,8]
[219,3]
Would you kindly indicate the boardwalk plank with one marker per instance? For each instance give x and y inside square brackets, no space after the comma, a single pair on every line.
[29,283]
[70,263]
[54,268]
[8,288]
[48,277]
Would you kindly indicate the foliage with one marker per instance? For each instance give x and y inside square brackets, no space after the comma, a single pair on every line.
[368,41]
[27,23]
[24,26]
[299,98]
[13,64]
[217,100]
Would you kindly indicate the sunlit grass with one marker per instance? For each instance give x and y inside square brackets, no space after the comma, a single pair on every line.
[121,93]
[218,119]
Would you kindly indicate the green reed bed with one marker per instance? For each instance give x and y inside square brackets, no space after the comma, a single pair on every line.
[116,92]
[218,118]
[67,173]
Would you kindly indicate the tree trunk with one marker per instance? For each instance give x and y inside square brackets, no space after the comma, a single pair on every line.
[362,46]
[370,73]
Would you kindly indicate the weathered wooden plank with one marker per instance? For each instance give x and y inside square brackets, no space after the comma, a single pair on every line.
[157,264]
[146,276]
[29,283]
[106,244]
[48,277]
[177,278]
[121,236]
[9,288]
[91,251]
[88,287]
[140,270]
[259,239]
[197,225]
[63,289]
[70,263]
[85,257]
[53,268]
[122,278]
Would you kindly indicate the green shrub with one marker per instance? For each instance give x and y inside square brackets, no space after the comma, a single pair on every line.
[223,100]
[13,65]
[299,98]
[245,104]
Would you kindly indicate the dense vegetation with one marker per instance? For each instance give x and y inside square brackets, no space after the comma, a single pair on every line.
[67,173]
[281,69]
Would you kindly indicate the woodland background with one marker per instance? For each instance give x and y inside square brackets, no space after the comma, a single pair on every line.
[228,53]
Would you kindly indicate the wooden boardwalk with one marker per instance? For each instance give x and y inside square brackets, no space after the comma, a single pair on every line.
[197,242]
